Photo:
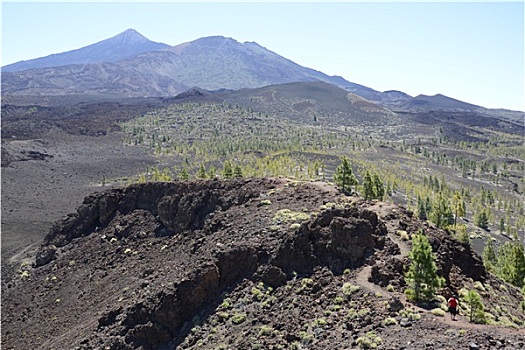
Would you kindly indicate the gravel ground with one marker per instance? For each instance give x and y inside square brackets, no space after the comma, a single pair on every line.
[36,193]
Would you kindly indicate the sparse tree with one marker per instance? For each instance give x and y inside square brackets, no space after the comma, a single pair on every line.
[477,310]
[459,208]
[482,220]
[379,187]
[489,255]
[368,186]
[212,172]
[421,209]
[201,174]
[227,171]
[344,176]
[237,171]
[184,174]
[422,278]
[510,264]
[441,213]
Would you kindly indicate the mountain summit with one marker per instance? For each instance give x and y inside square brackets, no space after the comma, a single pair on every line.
[127,44]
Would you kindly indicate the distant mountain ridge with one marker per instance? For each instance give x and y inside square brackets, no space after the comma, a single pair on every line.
[210,63]
[130,65]
[127,44]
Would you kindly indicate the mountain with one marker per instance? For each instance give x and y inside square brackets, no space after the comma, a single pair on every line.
[210,63]
[124,45]
[130,65]
[245,65]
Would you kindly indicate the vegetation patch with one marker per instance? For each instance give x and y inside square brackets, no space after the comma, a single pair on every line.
[369,341]
[288,216]
[349,289]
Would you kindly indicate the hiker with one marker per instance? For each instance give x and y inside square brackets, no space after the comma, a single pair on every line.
[453,307]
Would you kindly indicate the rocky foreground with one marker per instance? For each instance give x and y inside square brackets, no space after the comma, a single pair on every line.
[244,264]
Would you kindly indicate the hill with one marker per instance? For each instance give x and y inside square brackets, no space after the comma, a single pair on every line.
[264,263]
[313,103]
[124,45]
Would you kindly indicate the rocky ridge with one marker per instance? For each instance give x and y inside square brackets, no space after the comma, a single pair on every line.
[241,264]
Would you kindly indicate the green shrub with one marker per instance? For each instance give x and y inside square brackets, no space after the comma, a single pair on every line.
[479,286]
[410,314]
[226,304]
[349,289]
[295,226]
[306,338]
[288,216]
[369,341]
[389,321]
[266,330]
[339,300]
[403,234]
[238,318]
[438,312]
[320,322]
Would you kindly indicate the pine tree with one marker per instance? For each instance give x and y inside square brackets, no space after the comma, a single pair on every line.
[421,209]
[510,264]
[212,172]
[482,220]
[489,255]
[201,174]
[502,224]
[227,171]
[421,277]
[237,171]
[184,174]
[459,207]
[368,186]
[441,213]
[379,187]
[477,310]
[344,177]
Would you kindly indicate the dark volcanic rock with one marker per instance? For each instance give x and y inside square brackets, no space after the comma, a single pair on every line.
[45,255]
[199,264]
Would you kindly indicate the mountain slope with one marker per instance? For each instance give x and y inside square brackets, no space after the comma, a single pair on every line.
[317,102]
[210,63]
[124,45]
[242,65]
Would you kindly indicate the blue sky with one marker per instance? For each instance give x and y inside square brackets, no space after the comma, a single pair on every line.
[471,51]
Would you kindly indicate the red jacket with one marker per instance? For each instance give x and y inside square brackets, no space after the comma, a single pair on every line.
[452,302]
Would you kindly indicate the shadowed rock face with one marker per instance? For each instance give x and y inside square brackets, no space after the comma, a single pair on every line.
[174,207]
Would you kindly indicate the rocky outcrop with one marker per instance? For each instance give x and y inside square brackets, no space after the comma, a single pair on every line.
[155,260]
[338,239]
[175,207]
